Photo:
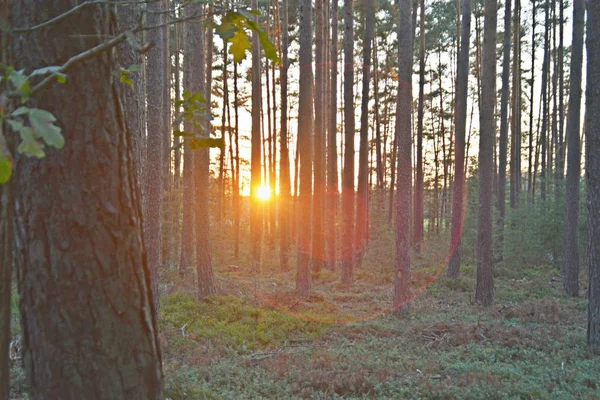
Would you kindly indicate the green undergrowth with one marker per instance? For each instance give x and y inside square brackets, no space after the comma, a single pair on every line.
[233,322]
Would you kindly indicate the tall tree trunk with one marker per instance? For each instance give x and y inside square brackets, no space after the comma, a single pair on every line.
[332,164]
[349,127]
[305,133]
[515,142]
[284,163]
[155,82]
[362,198]
[191,83]
[204,272]
[545,108]
[462,88]
[236,189]
[592,168]
[87,310]
[418,230]
[502,153]
[318,213]
[255,162]
[560,170]
[530,176]
[404,133]
[570,261]
[6,220]
[484,293]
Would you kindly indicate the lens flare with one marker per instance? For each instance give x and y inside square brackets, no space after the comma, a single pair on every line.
[263,193]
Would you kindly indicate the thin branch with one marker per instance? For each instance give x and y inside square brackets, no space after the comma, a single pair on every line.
[75,9]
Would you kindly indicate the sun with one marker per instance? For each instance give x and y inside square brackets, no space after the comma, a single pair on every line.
[263,193]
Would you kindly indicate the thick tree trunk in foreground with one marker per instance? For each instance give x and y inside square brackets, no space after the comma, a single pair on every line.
[305,133]
[462,86]
[484,293]
[349,127]
[592,169]
[403,133]
[6,225]
[255,161]
[570,261]
[89,321]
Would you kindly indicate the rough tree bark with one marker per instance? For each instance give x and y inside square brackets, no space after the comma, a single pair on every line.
[502,153]
[362,194]
[332,165]
[404,172]
[256,155]
[592,169]
[305,133]
[284,163]
[349,127]
[462,86]
[418,230]
[570,261]
[484,292]
[88,317]
[153,174]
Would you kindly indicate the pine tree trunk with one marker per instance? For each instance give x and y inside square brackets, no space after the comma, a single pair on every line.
[87,310]
[305,139]
[462,86]
[256,156]
[545,108]
[484,293]
[570,261]
[284,164]
[362,198]
[404,133]
[530,175]
[155,81]
[502,153]
[332,164]
[592,168]
[515,142]
[318,213]
[349,128]
[418,230]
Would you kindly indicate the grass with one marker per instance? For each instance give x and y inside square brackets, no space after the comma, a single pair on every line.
[258,340]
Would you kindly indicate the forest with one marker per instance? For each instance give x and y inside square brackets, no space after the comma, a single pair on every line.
[298,199]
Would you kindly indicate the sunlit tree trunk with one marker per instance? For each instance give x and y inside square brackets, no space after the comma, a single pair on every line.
[418,230]
[256,156]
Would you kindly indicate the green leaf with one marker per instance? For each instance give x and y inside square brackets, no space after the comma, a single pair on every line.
[29,145]
[239,45]
[42,122]
[5,168]
[14,124]
[196,144]
[226,29]
[61,78]
[21,111]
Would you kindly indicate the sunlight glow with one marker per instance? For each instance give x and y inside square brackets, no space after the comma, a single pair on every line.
[263,193]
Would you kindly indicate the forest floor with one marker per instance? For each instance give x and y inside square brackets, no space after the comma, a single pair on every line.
[258,340]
